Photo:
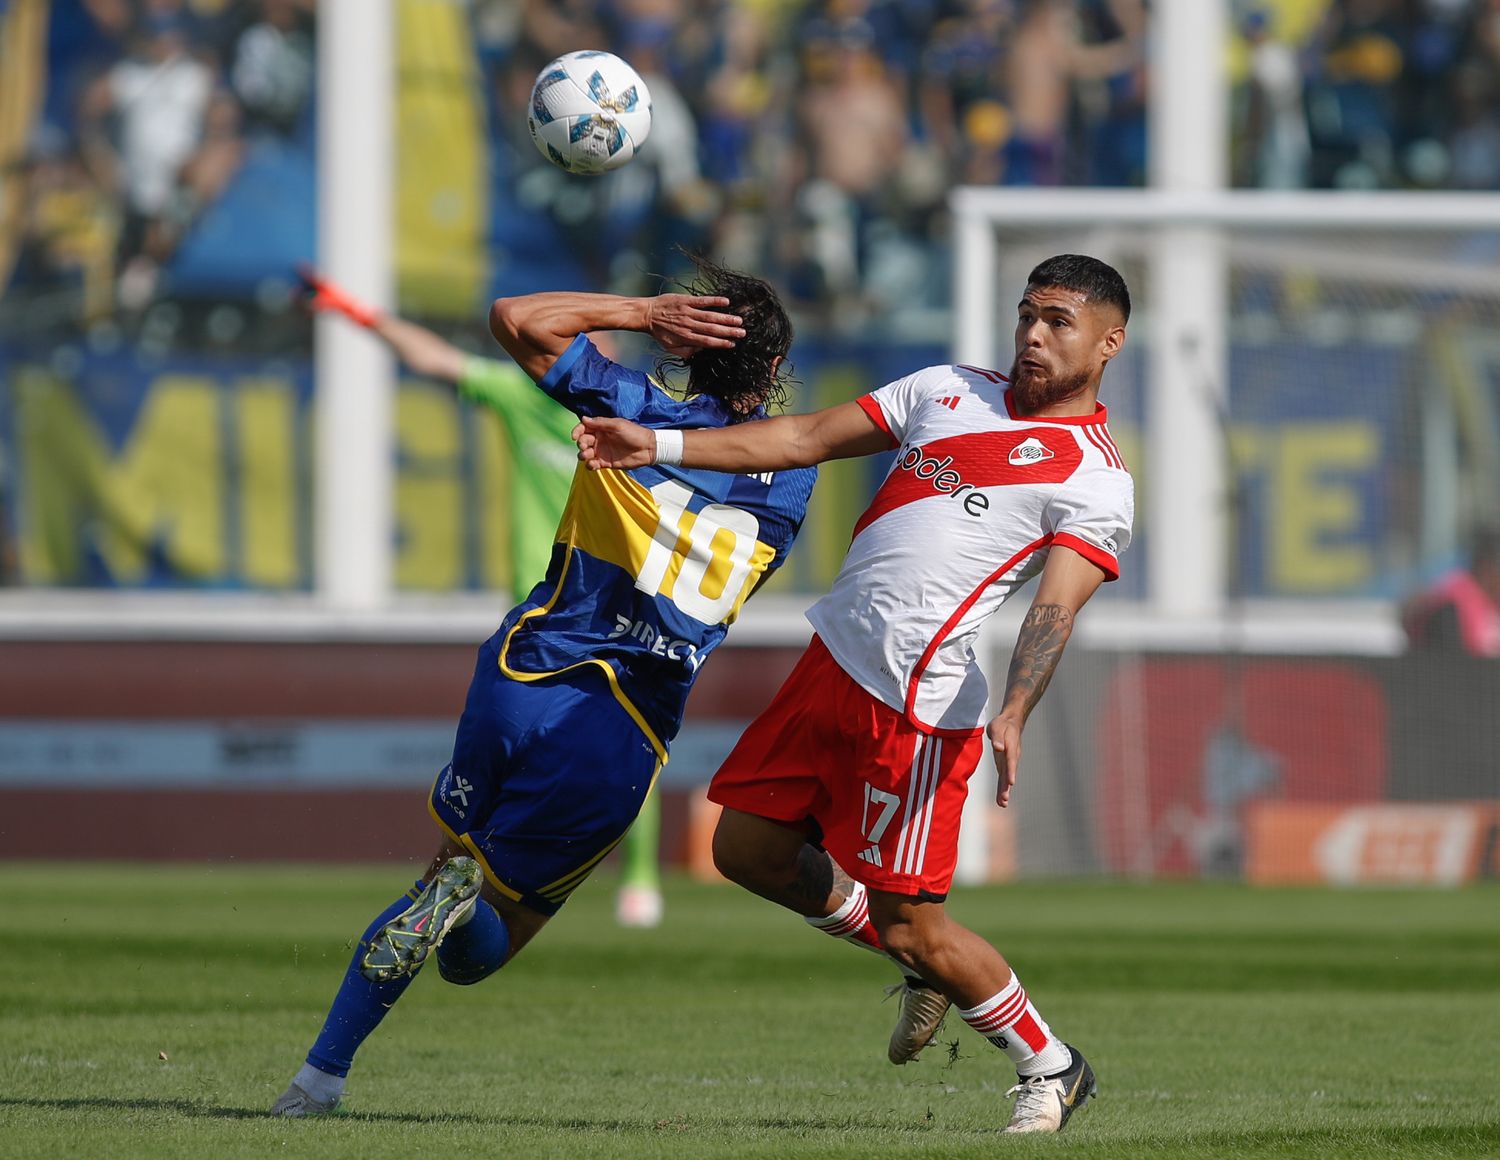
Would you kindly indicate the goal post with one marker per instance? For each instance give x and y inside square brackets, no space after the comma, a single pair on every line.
[355,374]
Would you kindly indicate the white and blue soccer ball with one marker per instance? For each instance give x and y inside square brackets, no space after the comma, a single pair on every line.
[590,112]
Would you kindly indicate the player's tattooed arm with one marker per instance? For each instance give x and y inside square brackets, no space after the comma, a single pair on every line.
[1039,646]
[1067,582]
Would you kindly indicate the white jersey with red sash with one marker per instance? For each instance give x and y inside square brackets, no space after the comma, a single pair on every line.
[973,503]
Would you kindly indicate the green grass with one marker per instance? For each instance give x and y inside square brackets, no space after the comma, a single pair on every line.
[1223,1022]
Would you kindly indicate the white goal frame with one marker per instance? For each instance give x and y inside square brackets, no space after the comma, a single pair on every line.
[1186,239]
[1188,247]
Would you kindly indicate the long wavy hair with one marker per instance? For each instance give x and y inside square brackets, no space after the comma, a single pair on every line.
[747,375]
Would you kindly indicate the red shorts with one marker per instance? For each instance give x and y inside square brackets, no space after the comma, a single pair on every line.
[887,797]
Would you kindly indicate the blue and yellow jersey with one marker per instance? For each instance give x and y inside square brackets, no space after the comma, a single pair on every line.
[650,566]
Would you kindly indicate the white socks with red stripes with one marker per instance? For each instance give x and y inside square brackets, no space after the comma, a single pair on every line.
[851,922]
[1010,1022]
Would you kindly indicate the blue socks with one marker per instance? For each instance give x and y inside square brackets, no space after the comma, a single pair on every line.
[360,1005]
[470,952]
[476,949]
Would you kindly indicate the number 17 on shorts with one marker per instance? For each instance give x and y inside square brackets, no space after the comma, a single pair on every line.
[880,809]
[908,823]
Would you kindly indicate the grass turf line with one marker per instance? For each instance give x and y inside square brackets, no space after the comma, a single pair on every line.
[1223,1022]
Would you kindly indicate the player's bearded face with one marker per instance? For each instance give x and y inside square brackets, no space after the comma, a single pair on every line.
[1058,341]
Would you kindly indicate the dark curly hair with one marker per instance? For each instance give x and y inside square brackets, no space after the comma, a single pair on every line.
[746,375]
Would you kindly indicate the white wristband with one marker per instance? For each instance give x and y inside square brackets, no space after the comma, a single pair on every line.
[668,448]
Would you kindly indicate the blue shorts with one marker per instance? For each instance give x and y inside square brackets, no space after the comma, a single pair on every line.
[546,777]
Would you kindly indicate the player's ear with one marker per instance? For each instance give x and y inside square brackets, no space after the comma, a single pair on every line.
[1114,339]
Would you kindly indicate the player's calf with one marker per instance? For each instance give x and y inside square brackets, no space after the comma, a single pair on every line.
[922,1006]
[476,947]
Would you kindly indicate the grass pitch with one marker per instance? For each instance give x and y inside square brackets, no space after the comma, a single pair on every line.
[151,1011]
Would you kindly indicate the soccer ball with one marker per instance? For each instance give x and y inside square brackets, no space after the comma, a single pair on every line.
[590,112]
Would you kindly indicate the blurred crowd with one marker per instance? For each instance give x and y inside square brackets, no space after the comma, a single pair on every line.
[1369,94]
[814,141]
[149,110]
[817,141]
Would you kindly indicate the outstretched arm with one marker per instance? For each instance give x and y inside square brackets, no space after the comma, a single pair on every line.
[536,329]
[767,445]
[424,351]
[1066,584]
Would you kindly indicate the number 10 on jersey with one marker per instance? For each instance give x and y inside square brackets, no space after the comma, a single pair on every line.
[705,578]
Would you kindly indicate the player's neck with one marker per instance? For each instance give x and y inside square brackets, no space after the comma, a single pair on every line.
[1083,402]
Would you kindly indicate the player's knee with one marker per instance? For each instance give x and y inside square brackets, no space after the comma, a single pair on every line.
[904,942]
[915,944]
[748,866]
[732,860]
[754,853]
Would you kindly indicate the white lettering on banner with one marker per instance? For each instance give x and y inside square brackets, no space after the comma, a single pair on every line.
[1399,843]
[350,755]
[195,753]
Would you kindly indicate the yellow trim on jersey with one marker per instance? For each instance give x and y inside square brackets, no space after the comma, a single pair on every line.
[609,673]
[474,852]
[559,890]
[603,666]
[593,517]
[609,512]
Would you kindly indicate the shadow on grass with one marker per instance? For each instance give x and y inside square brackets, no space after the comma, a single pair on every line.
[1481,1138]
[556,1123]
[1476,1138]
[215,1112]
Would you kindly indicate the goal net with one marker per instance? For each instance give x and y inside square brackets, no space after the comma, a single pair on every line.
[1310,403]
